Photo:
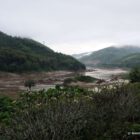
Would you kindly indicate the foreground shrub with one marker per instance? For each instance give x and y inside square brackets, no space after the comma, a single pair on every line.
[6,109]
[54,120]
[73,113]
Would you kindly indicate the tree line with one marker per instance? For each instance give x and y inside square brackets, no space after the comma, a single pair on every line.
[23,55]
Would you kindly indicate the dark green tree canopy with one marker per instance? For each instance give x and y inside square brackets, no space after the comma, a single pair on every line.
[22,55]
[135,75]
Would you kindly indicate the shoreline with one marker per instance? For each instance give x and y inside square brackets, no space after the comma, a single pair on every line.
[12,84]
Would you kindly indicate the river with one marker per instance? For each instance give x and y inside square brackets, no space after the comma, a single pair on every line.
[104,73]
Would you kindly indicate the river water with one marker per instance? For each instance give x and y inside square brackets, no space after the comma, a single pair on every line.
[94,72]
[104,73]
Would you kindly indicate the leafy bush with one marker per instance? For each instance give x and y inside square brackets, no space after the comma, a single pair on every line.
[29,84]
[135,75]
[80,78]
[73,113]
[87,79]
[6,109]
[67,81]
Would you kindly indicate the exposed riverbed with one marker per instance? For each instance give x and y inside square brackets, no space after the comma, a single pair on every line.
[11,84]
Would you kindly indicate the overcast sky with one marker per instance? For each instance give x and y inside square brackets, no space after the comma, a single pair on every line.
[73,26]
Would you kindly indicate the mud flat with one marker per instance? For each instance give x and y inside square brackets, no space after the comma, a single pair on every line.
[12,84]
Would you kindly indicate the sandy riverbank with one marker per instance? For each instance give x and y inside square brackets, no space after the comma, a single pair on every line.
[11,84]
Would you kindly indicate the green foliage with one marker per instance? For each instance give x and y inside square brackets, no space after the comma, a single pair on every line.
[124,76]
[23,55]
[29,84]
[127,56]
[67,81]
[130,61]
[6,108]
[73,113]
[135,75]
[81,78]
[87,79]
[135,127]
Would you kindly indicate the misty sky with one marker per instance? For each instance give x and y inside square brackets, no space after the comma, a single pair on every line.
[73,26]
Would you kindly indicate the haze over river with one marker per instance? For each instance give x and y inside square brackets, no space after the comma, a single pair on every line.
[104,73]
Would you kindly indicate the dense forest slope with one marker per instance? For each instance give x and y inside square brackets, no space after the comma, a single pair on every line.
[132,60]
[22,54]
[113,56]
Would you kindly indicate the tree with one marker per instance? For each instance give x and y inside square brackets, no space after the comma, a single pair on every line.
[134,75]
[29,84]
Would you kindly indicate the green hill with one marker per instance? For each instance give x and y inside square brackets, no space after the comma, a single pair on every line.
[109,57]
[22,55]
[132,60]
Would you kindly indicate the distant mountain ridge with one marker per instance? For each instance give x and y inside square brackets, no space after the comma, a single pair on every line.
[23,55]
[131,60]
[112,57]
[78,56]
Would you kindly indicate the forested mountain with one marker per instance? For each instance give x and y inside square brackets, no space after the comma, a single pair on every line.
[132,60]
[23,54]
[113,56]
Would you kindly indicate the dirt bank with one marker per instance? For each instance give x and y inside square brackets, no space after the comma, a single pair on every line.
[11,84]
